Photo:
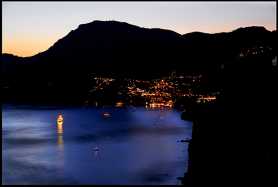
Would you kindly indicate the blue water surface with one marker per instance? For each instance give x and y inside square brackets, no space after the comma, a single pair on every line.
[132,146]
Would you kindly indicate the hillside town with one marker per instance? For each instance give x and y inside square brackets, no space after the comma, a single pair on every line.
[157,93]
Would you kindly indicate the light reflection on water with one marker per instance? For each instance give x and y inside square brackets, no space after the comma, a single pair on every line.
[135,147]
[60,141]
[60,144]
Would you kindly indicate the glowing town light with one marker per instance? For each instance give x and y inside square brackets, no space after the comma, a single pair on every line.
[119,104]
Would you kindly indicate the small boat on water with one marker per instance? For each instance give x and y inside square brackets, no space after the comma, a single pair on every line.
[185,140]
[106,115]
[96,149]
[132,108]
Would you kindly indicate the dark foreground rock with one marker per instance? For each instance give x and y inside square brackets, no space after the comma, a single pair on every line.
[233,140]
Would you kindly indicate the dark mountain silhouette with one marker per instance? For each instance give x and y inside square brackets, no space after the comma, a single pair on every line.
[119,49]
[110,45]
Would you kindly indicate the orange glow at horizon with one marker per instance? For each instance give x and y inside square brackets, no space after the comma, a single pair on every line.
[25,47]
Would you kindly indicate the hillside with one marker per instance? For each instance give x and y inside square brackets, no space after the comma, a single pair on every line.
[118,49]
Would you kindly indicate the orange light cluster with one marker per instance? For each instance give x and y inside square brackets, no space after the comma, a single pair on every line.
[119,104]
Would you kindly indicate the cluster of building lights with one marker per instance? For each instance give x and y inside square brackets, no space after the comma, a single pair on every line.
[101,83]
[205,99]
[159,93]
[256,50]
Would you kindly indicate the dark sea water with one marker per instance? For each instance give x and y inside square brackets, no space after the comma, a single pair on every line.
[137,146]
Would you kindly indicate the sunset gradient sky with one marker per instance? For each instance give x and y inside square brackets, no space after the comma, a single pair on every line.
[32,27]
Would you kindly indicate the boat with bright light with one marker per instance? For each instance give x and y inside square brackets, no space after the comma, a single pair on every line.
[60,119]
